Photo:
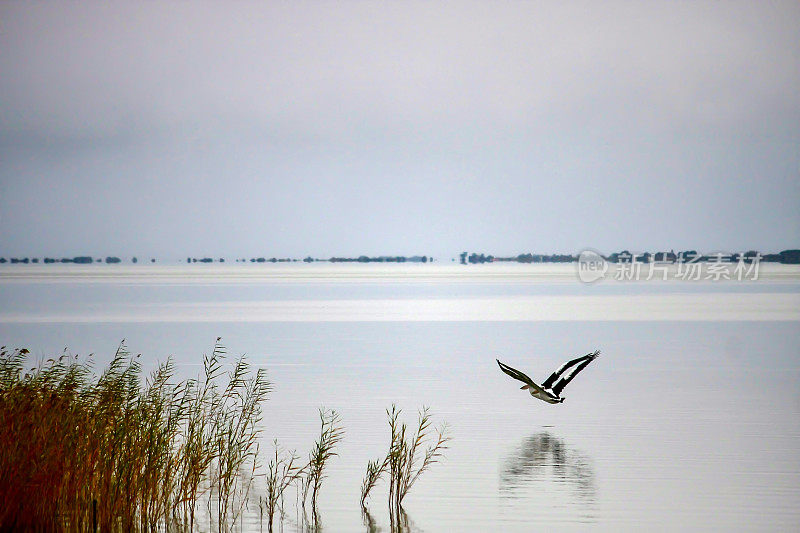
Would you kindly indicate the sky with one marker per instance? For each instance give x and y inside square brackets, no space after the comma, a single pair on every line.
[289,129]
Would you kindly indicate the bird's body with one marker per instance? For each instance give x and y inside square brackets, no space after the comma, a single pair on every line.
[543,394]
[550,390]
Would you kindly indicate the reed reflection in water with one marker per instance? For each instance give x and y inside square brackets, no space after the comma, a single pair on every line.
[399,522]
[546,471]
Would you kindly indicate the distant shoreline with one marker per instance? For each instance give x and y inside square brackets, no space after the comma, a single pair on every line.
[338,272]
[790,256]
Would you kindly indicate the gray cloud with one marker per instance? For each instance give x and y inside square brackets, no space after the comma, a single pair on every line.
[401,127]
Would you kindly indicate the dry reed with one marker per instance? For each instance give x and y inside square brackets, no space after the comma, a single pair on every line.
[282,471]
[403,461]
[331,433]
[81,449]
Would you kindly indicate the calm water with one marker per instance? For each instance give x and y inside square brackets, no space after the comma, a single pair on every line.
[689,420]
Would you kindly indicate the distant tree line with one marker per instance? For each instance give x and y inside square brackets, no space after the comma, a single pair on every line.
[309,259]
[86,259]
[789,257]
[380,259]
[475,259]
[79,260]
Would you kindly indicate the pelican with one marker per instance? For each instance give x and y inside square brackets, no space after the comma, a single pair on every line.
[550,390]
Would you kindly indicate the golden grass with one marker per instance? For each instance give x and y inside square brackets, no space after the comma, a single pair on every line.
[81,450]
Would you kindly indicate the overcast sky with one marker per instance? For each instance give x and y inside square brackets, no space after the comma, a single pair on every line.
[295,128]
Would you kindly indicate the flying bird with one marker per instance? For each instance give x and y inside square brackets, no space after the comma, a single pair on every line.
[550,390]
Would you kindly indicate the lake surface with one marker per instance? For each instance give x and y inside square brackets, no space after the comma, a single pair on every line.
[689,420]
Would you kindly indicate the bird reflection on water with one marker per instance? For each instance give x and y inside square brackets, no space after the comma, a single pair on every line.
[544,463]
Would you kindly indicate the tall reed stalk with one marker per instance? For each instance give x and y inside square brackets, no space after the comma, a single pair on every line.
[330,435]
[282,471]
[410,454]
[236,438]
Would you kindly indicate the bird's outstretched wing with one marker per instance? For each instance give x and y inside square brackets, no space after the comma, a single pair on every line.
[549,382]
[516,374]
[581,363]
